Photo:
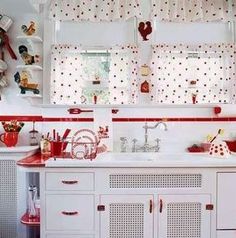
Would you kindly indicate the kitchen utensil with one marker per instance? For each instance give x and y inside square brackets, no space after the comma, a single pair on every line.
[56,148]
[77,110]
[5,22]
[3,66]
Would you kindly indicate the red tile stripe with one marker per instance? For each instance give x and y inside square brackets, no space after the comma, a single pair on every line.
[26,118]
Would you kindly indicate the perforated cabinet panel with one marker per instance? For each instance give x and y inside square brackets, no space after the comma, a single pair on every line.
[126,220]
[155,181]
[8,199]
[184,220]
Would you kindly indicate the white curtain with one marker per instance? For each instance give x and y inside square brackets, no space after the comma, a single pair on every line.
[184,72]
[123,75]
[94,10]
[193,10]
[73,72]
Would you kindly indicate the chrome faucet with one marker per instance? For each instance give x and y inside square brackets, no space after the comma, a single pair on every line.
[146,147]
[123,145]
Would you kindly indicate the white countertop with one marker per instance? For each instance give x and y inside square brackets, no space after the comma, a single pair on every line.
[185,160]
[17,151]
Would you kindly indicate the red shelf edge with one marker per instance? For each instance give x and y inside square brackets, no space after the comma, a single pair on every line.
[30,221]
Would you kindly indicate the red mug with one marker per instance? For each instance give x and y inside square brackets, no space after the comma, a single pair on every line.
[56,148]
[10,139]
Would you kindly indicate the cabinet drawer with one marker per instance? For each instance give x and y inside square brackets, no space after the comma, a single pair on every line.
[70,181]
[70,212]
[70,236]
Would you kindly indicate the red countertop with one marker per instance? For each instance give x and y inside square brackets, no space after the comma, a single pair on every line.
[37,160]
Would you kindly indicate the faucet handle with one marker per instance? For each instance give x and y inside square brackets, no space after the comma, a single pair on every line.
[134,145]
[157,147]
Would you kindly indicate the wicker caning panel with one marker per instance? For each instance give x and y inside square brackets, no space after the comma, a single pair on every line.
[8,199]
[155,181]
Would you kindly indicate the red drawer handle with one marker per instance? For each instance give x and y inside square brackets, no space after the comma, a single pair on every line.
[69,213]
[70,182]
[161,206]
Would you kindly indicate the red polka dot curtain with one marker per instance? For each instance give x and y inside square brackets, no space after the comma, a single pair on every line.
[193,10]
[94,10]
[186,74]
[93,77]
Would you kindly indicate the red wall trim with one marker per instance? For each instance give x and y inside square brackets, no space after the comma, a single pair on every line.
[21,118]
[62,119]
[26,118]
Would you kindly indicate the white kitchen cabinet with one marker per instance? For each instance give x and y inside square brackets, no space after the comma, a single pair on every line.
[125,203]
[184,216]
[70,212]
[226,205]
[126,216]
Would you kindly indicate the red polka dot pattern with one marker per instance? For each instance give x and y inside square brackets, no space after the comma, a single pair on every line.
[193,10]
[94,10]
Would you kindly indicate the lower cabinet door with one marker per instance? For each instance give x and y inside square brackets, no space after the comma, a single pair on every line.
[184,216]
[126,216]
[70,212]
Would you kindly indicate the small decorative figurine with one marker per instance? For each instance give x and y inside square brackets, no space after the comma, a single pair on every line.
[23,82]
[29,30]
[27,58]
[145,29]
[145,87]
[145,70]
[103,132]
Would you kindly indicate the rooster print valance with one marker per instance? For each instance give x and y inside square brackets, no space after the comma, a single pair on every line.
[94,10]
[194,10]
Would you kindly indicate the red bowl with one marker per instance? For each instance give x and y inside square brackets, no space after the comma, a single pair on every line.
[231,145]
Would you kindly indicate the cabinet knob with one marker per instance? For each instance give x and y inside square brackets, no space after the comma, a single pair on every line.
[70,213]
[70,182]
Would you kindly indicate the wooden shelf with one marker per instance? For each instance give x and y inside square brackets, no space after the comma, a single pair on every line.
[29,67]
[26,220]
[35,39]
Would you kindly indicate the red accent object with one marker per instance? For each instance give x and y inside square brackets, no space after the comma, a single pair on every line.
[101,208]
[10,139]
[56,148]
[26,220]
[145,87]
[195,149]
[77,110]
[231,145]
[217,110]
[150,206]
[95,99]
[194,98]
[69,182]
[6,43]
[115,111]
[210,207]
[69,213]
[145,29]
[161,206]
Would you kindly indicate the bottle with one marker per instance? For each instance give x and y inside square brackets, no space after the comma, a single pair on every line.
[32,196]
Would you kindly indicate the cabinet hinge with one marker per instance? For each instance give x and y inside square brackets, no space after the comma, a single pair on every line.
[101,208]
[209,207]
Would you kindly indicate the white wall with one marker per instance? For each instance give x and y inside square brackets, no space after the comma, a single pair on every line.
[179,135]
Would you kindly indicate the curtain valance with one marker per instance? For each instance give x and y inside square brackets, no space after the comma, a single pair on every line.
[193,10]
[94,10]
